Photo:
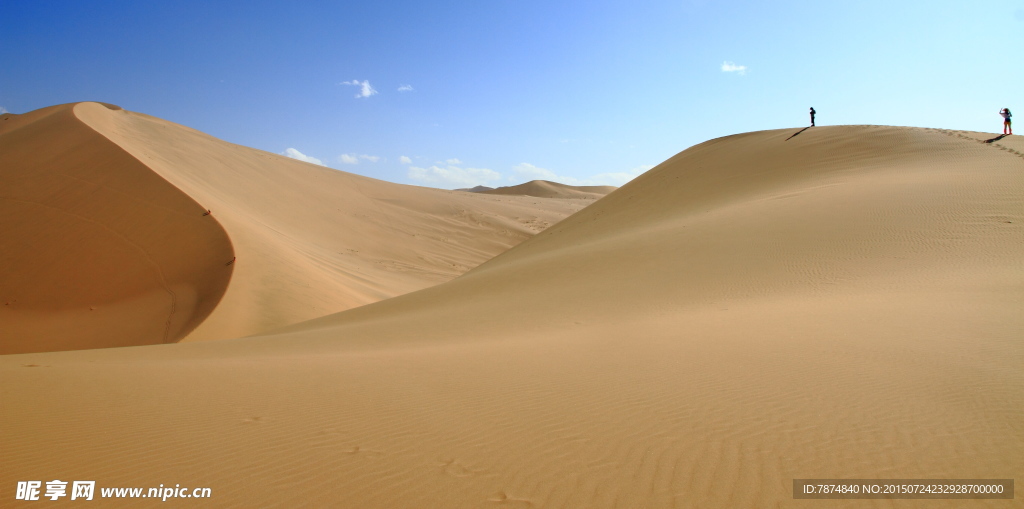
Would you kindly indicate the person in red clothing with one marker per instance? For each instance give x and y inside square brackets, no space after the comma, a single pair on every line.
[1007,125]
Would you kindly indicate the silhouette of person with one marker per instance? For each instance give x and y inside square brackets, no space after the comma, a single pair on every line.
[812,116]
[1007,125]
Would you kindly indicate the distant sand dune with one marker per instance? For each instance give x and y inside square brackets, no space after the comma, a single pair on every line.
[546,189]
[844,304]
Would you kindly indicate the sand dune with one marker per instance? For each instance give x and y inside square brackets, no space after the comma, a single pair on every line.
[476,189]
[840,304]
[97,250]
[309,240]
[546,189]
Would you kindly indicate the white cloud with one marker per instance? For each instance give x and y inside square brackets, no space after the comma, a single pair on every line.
[295,154]
[3,110]
[732,67]
[454,176]
[618,178]
[354,158]
[405,88]
[525,172]
[365,89]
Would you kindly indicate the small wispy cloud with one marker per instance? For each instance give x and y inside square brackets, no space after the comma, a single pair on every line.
[294,154]
[453,161]
[732,67]
[365,89]
[405,160]
[452,176]
[3,110]
[355,158]
[405,88]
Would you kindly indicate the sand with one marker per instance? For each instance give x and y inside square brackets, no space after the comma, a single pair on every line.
[306,240]
[844,303]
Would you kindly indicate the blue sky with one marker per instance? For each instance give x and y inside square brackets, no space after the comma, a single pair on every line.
[497,92]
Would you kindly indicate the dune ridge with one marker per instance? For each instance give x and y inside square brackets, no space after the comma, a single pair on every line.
[758,308]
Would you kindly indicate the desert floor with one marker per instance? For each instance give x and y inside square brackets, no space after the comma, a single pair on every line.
[836,302]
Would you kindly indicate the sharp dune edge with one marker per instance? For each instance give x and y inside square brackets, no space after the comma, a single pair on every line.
[845,303]
[97,250]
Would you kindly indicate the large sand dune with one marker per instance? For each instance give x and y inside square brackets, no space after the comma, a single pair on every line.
[95,249]
[845,303]
[103,216]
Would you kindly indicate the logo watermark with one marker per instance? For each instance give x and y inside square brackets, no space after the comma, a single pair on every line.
[86,490]
[903,488]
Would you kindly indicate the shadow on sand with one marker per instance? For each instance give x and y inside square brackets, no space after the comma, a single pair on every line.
[798,132]
[997,138]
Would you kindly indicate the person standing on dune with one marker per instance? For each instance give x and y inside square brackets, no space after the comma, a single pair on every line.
[1007,125]
[812,116]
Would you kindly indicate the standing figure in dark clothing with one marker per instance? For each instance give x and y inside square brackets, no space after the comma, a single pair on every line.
[812,116]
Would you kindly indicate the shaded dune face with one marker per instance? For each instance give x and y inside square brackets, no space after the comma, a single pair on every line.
[97,250]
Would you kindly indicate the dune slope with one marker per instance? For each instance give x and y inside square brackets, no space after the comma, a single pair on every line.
[97,250]
[840,304]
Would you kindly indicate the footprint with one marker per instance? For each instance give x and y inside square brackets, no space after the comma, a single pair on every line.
[33,366]
[253,420]
[456,469]
[506,501]
[363,452]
